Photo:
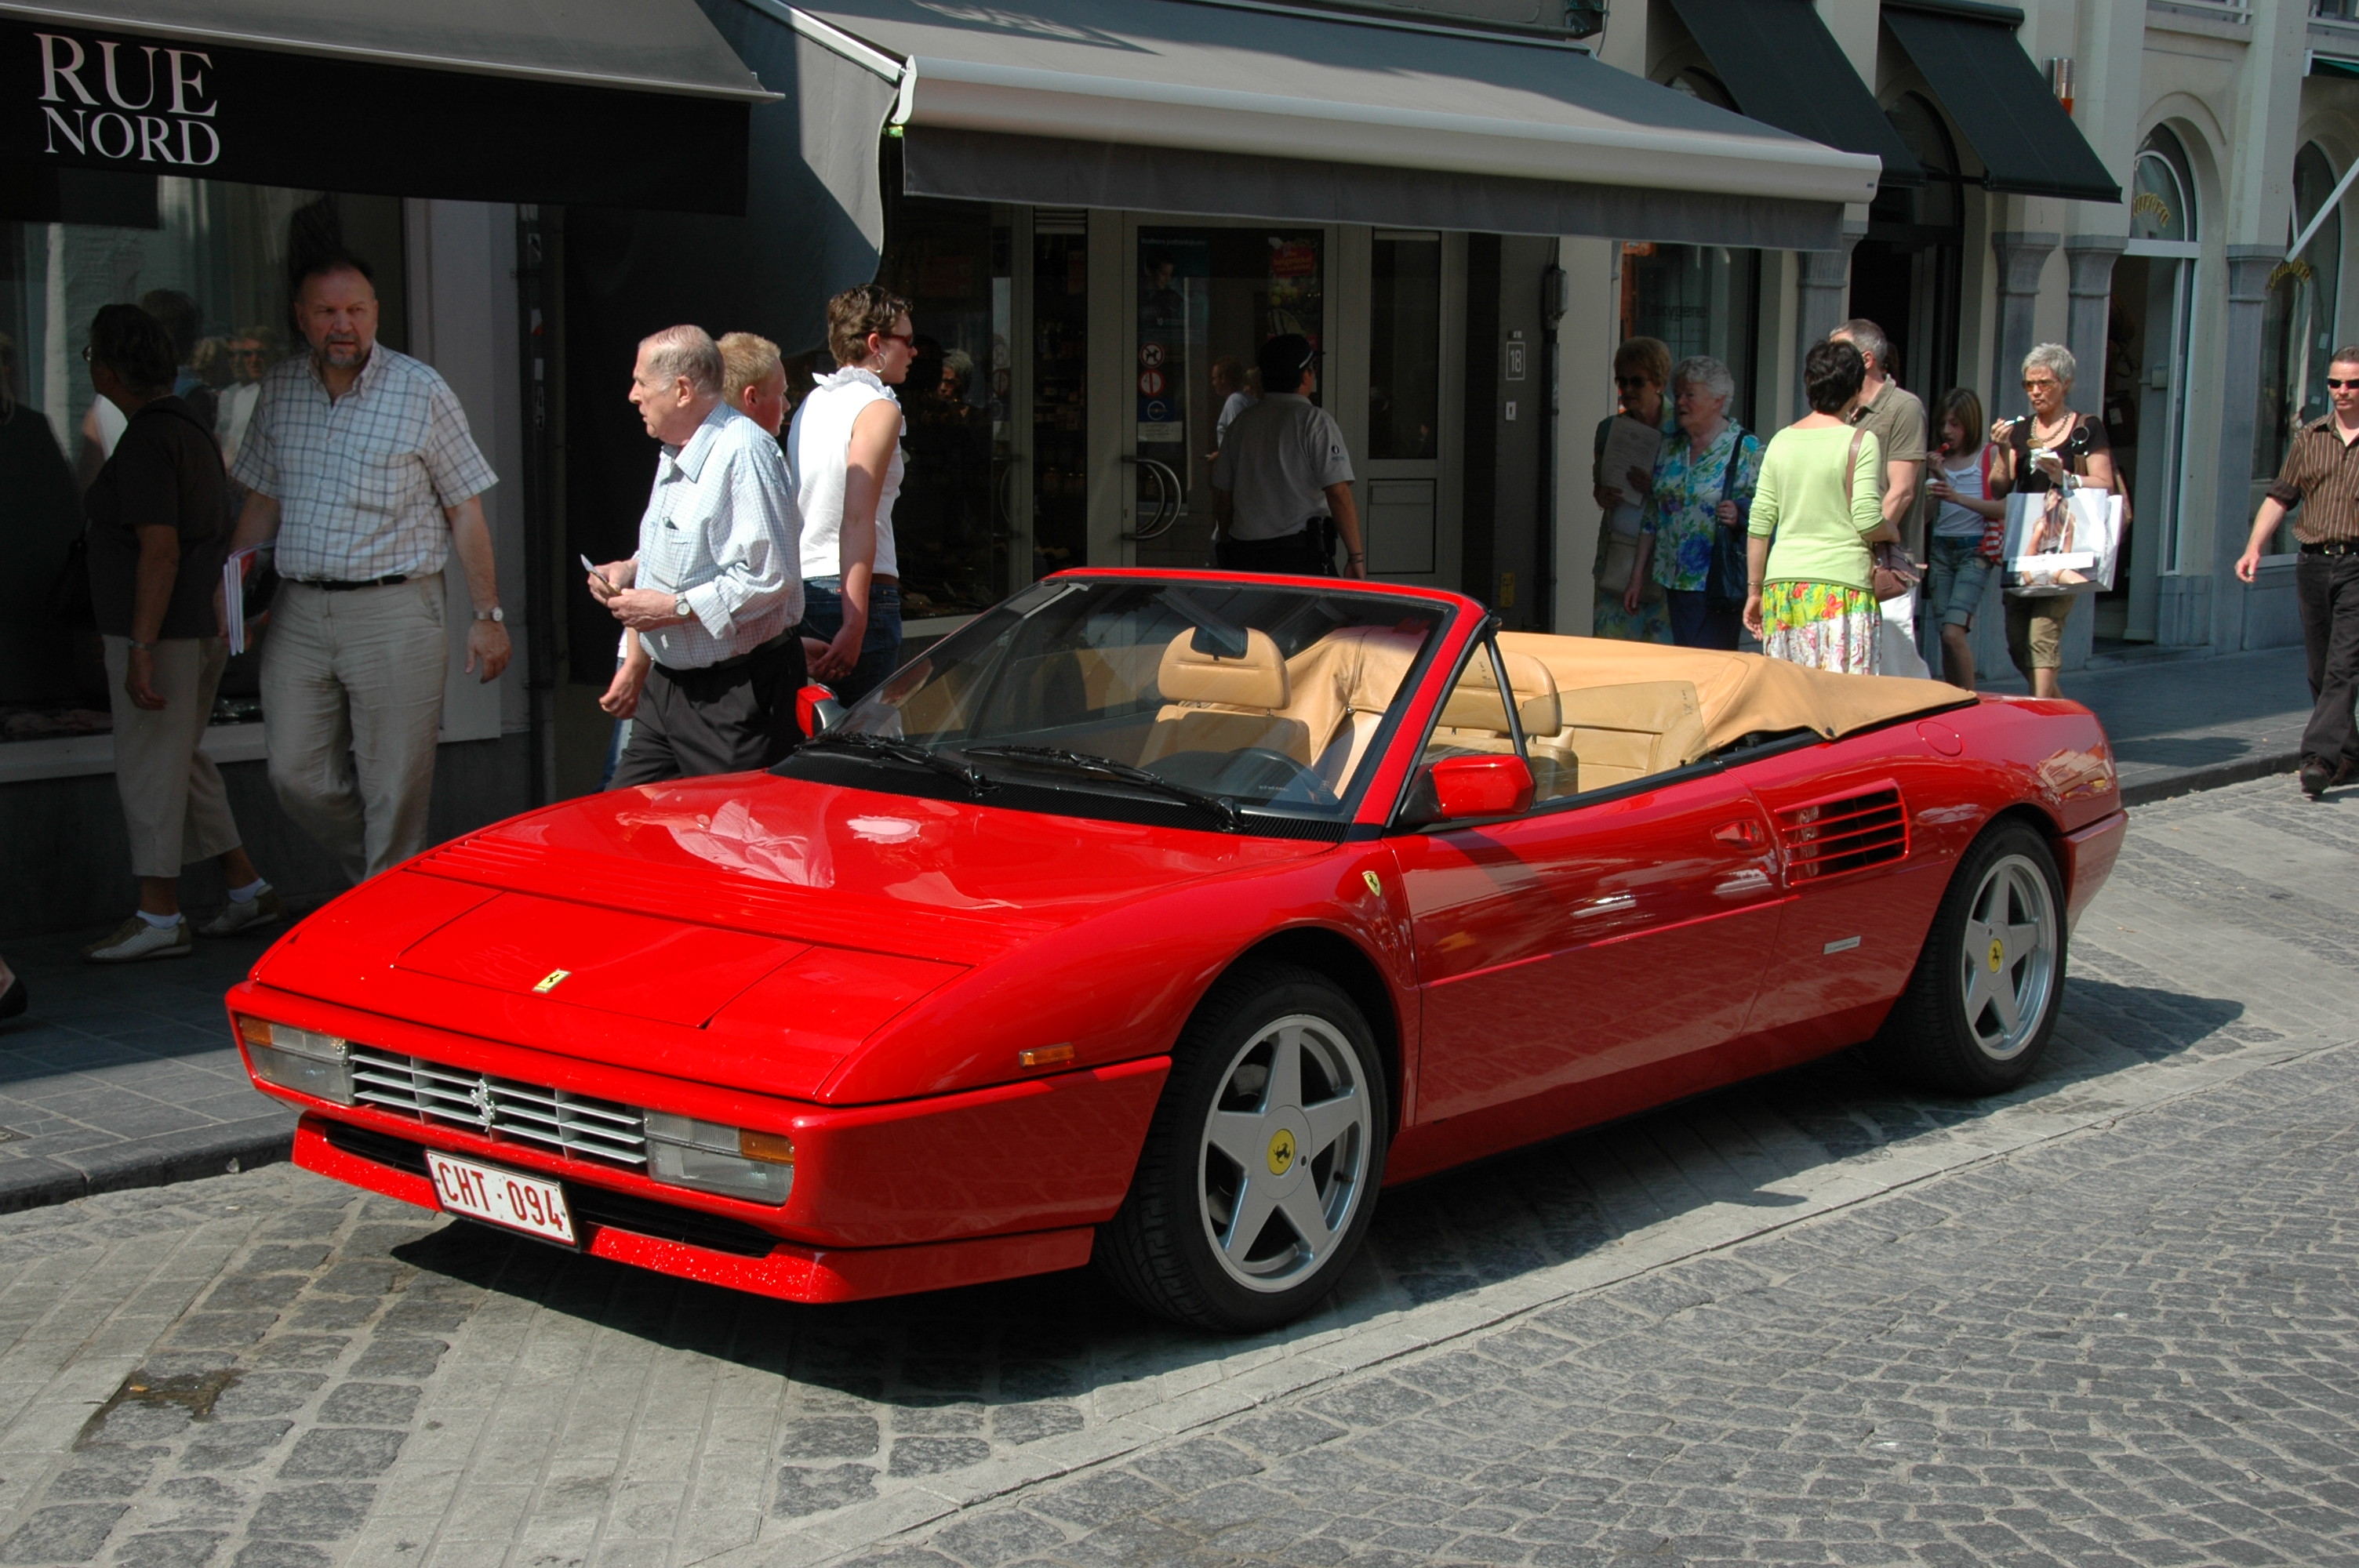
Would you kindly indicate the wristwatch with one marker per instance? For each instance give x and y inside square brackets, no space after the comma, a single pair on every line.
[494,613]
[679,608]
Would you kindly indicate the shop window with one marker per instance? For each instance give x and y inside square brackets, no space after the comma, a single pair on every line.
[2298,325]
[1905,273]
[951,261]
[2162,191]
[1700,300]
[215,262]
[1060,374]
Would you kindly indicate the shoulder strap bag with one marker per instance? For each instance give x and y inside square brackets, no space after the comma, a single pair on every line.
[1890,573]
[1724,585]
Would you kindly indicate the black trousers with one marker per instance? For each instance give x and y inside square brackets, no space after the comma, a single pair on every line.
[2328,588]
[1293,554]
[725,718]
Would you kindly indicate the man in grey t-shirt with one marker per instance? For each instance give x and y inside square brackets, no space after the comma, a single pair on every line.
[1282,471]
[1897,419]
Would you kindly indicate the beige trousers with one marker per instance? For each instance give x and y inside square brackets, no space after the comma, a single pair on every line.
[351,702]
[173,804]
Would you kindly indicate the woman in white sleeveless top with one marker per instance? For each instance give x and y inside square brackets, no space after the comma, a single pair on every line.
[844,452]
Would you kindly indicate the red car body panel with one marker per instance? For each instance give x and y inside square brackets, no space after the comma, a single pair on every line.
[872,974]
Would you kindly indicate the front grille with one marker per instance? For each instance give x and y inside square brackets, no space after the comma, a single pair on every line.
[575,1125]
[1830,838]
[590,1205]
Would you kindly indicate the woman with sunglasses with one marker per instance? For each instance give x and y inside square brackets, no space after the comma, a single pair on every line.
[843,452]
[2031,457]
[1642,370]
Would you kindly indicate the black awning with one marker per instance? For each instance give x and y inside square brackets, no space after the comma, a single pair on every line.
[1783,68]
[1999,99]
[472,100]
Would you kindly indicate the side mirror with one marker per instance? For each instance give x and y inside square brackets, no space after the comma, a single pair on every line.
[1469,789]
[816,708]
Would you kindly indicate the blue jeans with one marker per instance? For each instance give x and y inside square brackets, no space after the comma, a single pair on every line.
[880,645]
[1695,624]
[1960,576]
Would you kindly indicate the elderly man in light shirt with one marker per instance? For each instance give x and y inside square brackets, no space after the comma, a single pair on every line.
[716,586]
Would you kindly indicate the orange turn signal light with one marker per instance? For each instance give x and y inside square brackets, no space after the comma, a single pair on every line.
[770,1148]
[1045,1056]
[253,1030]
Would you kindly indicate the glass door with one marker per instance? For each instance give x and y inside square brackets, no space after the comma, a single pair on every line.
[1206,297]
[1403,468]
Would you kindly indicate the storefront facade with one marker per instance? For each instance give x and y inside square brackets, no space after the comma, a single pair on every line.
[193,169]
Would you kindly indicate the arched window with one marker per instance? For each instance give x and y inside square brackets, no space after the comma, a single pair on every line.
[2297,329]
[2162,190]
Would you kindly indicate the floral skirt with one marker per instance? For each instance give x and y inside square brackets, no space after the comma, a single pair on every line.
[1822,625]
[1650,622]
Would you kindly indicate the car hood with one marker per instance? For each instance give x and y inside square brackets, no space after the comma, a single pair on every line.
[750,931]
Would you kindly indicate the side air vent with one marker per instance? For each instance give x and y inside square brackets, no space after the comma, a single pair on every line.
[1830,838]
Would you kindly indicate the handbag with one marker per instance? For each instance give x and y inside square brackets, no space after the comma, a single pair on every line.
[1890,573]
[1725,585]
[68,601]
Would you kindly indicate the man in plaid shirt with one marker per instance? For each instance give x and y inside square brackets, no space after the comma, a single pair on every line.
[716,587]
[358,463]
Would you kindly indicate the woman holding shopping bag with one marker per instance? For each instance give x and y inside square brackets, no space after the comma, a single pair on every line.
[2032,457]
[1810,588]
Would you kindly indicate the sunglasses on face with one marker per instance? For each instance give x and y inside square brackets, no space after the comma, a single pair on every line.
[2037,385]
[2334,385]
[1628,382]
[904,339]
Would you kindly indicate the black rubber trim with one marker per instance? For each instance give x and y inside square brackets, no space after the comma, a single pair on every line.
[593,1206]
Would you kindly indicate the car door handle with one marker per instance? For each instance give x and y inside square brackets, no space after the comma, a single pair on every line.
[1743,832]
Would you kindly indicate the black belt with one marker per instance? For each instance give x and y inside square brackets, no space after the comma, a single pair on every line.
[2333,547]
[330,586]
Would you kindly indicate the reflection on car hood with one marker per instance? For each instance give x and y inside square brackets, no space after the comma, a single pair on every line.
[742,930]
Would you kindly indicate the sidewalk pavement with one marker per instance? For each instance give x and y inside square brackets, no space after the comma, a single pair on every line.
[127,1078]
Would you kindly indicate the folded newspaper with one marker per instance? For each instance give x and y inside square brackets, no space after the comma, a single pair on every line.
[234,571]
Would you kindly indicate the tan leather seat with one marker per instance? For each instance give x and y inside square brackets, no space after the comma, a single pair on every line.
[1212,704]
[1614,734]
[1341,687]
[1473,721]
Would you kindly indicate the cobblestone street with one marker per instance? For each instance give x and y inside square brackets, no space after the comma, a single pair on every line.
[2106,1319]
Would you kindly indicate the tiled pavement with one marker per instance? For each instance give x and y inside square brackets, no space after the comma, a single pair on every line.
[2104,1320]
[125,1078]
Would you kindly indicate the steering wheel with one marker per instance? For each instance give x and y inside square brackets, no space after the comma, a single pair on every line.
[1254,769]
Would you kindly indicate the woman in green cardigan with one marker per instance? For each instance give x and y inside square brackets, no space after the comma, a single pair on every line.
[1816,511]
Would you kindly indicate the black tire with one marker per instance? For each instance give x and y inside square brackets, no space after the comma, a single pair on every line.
[1179,1246]
[1983,999]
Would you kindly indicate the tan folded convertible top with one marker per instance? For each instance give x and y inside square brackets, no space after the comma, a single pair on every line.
[1739,694]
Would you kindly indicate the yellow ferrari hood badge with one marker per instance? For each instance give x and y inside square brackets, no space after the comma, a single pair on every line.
[549,982]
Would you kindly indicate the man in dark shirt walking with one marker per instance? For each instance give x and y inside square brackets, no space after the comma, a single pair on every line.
[2321,476]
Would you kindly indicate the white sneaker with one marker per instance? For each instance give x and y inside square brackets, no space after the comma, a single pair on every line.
[263,908]
[135,939]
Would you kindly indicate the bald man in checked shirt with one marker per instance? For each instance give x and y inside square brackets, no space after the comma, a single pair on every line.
[2321,477]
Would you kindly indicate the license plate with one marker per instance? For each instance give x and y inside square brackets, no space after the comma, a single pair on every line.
[504,1197]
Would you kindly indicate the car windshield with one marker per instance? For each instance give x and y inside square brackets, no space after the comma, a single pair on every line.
[1203,703]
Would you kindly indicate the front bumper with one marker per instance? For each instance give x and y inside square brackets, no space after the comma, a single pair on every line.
[941,1190]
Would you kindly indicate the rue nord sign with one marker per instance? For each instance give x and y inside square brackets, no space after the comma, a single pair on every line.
[80,99]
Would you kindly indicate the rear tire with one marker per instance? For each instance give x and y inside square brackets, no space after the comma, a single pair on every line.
[1982,1003]
[1260,1170]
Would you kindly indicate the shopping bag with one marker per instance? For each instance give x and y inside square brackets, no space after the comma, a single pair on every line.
[2061,544]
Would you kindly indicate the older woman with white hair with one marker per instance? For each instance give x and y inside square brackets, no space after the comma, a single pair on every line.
[1704,488]
[2031,456]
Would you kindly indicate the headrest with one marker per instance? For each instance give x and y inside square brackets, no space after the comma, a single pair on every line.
[1256,680]
[1474,704]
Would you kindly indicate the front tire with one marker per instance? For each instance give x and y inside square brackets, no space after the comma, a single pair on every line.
[1982,1002]
[1260,1170]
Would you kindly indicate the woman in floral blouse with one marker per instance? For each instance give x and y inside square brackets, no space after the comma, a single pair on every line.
[1696,495]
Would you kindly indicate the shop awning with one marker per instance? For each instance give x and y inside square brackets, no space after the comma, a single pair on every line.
[1999,99]
[1234,108]
[1784,68]
[555,100]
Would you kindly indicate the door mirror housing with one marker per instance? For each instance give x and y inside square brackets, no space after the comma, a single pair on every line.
[816,709]
[1470,789]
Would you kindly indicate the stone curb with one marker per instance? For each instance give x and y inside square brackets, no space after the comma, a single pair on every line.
[2242,769]
[37,1181]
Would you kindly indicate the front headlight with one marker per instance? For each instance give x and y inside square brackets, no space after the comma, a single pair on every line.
[738,1161]
[308,1062]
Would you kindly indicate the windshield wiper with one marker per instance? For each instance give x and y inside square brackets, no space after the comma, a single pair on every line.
[1106,767]
[901,751]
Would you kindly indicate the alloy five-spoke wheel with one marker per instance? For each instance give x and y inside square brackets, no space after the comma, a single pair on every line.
[1285,1153]
[1261,1169]
[1983,1001]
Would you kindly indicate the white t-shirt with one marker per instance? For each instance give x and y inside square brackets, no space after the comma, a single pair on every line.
[1238,404]
[1953,521]
[819,448]
[1278,460]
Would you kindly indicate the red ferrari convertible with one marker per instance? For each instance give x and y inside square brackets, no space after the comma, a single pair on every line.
[1161,919]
